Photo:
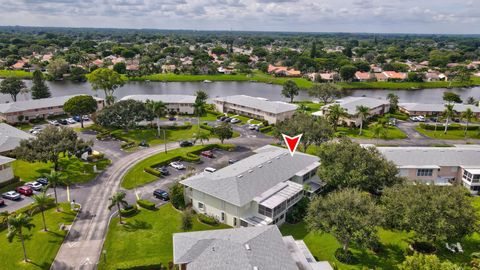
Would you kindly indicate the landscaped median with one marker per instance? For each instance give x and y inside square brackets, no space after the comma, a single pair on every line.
[145,240]
[391,133]
[454,132]
[143,172]
[41,247]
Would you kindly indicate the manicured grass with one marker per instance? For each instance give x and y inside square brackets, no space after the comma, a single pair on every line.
[406,85]
[393,133]
[451,134]
[311,107]
[41,246]
[16,73]
[209,117]
[146,239]
[74,169]
[136,176]
[150,135]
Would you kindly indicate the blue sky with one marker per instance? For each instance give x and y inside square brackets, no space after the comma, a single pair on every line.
[407,16]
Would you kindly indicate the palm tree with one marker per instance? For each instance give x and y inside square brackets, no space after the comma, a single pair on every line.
[363,112]
[4,217]
[448,113]
[334,114]
[393,100]
[118,199]
[16,225]
[41,202]
[200,136]
[158,109]
[199,105]
[468,115]
[378,131]
[54,179]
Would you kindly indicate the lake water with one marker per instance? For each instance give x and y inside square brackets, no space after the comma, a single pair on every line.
[216,89]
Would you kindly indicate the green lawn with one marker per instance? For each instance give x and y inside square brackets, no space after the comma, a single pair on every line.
[41,246]
[393,133]
[451,134]
[150,135]
[146,239]
[209,117]
[73,168]
[16,73]
[394,244]
[311,107]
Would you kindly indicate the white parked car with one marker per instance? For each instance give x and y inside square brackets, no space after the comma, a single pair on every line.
[421,118]
[235,120]
[71,121]
[177,165]
[53,122]
[35,185]
[12,195]
[209,170]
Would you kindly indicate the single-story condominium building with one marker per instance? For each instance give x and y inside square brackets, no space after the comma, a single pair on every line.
[350,104]
[438,165]
[254,248]
[255,191]
[6,171]
[434,109]
[256,107]
[10,137]
[179,104]
[15,112]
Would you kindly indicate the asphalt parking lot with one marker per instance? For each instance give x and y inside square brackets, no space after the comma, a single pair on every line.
[12,206]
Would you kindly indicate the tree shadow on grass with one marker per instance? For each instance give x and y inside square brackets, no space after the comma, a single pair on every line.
[388,257]
[135,225]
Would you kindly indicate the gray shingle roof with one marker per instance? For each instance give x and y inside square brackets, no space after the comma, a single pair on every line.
[164,98]
[350,103]
[428,156]
[35,104]
[226,249]
[259,103]
[10,137]
[242,181]
[438,107]
[5,160]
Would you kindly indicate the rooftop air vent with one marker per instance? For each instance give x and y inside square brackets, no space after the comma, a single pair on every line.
[269,161]
[240,176]
[247,246]
[250,171]
[260,166]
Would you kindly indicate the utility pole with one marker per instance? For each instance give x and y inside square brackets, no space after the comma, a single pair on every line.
[165,139]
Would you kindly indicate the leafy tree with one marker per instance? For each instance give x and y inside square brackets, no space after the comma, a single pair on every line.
[12,86]
[80,105]
[431,262]
[57,68]
[468,115]
[41,202]
[290,90]
[124,114]
[335,112]
[471,101]
[223,131]
[39,88]
[350,215]
[158,109]
[187,220]
[118,200]
[54,180]
[434,213]
[448,113]
[347,164]
[379,130]
[298,211]
[51,144]
[414,77]
[393,100]
[107,80]
[15,229]
[200,136]
[200,104]
[176,196]
[326,92]
[77,74]
[120,68]
[362,112]
[4,218]
[347,72]
[451,97]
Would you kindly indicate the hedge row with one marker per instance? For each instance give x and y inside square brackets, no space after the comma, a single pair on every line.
[265,129]
[207,220]
[156,266]
[450,127]
[206,127]
[152,171]
[146,204]
[129,211]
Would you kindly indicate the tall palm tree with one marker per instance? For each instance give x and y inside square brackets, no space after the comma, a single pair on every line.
[200,103]
[41,202]
[16,225]
[200,136]
[54,180]
[118,199]
[468,115]
[334,114]
[158,109]
[378,131]
[363,112]
[448,113]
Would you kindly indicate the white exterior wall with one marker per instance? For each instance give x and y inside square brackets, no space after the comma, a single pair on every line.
[6,172]
[183,108]
[272,118]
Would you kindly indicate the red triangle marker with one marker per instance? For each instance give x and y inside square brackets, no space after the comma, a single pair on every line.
[292,142]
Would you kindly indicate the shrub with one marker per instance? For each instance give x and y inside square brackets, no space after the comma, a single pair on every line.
[191,157]
[345,257]
[152,171]
[146,204]
[176,196]
[206,127]
[266,129]
[155,266]
[128,211]
[103,135]
[127,145]
[187,220]
[226,147]
[450,127]
[207,220]
[176,127]
[298,211]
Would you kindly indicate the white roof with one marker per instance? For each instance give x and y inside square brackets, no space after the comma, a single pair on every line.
[437,107]
[5,160]
[10,137]
[432,157]
[259,103]
[168,99]
[25,105]
[278,194]
[350,103]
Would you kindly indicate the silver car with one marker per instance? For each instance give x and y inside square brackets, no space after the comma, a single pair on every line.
[35,185]
[11,195]
[177,165]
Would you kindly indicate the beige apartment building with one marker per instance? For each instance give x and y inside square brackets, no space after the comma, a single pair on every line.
[256,107]
[6,170]
[178,104]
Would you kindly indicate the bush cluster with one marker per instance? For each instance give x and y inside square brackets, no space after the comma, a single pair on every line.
[146,204]
[207,220]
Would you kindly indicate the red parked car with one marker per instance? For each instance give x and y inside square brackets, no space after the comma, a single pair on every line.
[208,154]
[25,190]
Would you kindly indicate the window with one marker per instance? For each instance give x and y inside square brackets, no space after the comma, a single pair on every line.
[424,172]
[243,223]
[223,216]
[200,205]
[234,221]
[475,188]
[265,211]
